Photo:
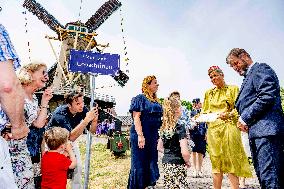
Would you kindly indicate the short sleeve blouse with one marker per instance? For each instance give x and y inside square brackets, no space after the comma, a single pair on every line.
[141,104]
[172,150]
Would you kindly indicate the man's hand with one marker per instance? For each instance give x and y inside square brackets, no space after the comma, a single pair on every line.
[92,114]
[242,127]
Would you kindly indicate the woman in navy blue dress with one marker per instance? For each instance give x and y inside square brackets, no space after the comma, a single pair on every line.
[198,136]
[146,114]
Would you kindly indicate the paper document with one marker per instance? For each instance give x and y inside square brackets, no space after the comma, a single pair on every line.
[206,117]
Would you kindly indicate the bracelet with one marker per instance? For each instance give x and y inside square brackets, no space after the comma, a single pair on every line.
[140,134]
[41,107]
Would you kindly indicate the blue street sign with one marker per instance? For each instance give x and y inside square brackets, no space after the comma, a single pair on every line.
[93,62]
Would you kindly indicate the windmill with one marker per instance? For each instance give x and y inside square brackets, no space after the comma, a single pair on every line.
[79,36]
[74,35]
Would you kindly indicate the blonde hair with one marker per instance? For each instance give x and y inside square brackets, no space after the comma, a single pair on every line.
[25,73]
[145,89]
[55,137]
[170,106]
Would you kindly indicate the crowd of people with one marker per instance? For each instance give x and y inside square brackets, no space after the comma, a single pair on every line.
[37,153]
[34,150]
[105,127]
[250,116]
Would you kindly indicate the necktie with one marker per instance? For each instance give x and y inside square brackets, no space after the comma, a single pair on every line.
[246,73]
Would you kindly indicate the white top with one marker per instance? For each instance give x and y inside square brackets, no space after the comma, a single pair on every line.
[31,110]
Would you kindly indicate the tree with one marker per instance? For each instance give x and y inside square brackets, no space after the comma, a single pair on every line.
[187,104]
[161,100]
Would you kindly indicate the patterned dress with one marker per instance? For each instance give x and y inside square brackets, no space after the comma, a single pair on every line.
[225,147]
[20,157]
[34,138]
[144,162]
[175,172]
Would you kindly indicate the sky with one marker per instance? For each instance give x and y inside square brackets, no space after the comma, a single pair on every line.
[175,40]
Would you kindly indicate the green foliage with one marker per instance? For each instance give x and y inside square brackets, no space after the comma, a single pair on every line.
[282,96]
[187,104]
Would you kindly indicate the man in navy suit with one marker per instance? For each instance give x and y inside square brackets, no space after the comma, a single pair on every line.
[261,115]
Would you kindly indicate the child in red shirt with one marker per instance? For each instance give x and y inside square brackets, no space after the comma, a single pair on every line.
[54,164]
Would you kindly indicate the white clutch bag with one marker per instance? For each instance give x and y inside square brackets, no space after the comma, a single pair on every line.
[210,117]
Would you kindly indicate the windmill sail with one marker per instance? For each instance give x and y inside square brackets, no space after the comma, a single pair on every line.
[102,14]
[42,14]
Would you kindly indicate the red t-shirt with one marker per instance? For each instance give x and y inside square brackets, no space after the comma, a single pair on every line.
[54,168]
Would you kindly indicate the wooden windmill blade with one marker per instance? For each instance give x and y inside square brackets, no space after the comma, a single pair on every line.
[42,14]
[102,14]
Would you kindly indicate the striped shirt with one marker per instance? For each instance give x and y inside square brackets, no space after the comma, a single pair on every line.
[7,52]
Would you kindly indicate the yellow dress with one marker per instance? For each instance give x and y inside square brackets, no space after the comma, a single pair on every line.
[225,147]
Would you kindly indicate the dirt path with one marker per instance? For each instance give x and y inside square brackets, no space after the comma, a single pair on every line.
[206,181]
[195,183]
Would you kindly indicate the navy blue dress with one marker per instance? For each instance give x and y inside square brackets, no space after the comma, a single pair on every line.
[197,135]
[144,169]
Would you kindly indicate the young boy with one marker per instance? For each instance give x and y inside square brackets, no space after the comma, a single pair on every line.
[55,164]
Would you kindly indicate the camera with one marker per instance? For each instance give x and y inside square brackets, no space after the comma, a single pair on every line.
[103,115]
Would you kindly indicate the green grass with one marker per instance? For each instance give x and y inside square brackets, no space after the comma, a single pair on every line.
[106,170]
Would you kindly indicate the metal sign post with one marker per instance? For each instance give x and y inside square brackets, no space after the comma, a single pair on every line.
[89,137]
[93,63]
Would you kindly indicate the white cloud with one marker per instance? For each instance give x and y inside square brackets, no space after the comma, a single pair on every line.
[170,66]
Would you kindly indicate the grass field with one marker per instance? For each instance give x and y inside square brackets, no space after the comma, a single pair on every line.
[106,170]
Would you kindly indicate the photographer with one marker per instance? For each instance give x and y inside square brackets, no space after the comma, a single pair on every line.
[75,117]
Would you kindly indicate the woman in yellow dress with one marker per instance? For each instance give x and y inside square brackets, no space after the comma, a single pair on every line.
[225,147]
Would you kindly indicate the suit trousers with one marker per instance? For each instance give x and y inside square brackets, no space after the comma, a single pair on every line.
[268,159]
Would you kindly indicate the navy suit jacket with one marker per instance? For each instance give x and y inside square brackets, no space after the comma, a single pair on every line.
[259,102]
